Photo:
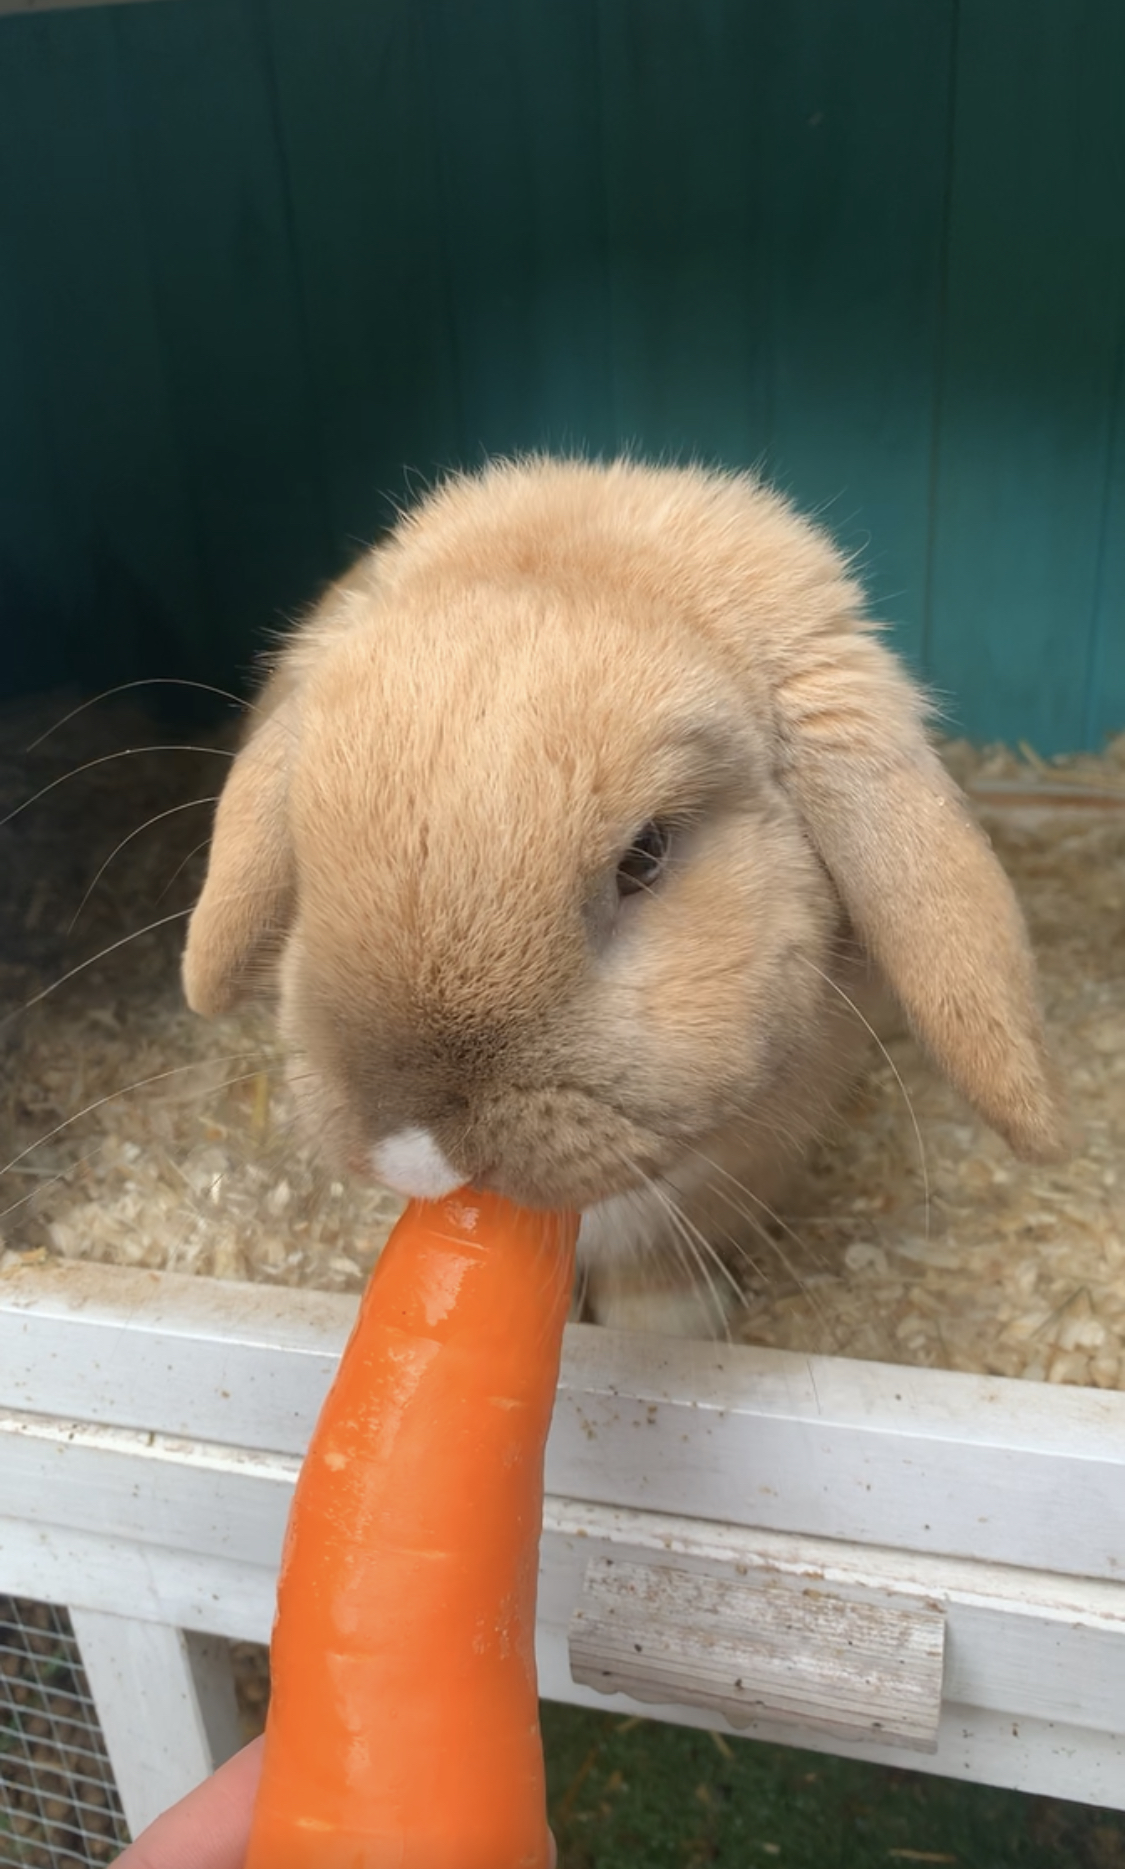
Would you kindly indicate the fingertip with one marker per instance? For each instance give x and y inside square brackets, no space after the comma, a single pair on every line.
[207,1829]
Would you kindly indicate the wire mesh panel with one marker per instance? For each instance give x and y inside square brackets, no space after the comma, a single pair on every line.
[59,1807]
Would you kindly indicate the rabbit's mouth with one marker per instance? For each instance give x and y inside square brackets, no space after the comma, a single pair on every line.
[551,1148]
[557,1147]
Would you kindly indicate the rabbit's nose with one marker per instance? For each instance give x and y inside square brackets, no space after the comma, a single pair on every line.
[410,1162]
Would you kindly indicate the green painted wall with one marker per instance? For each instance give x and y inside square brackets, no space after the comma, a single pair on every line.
[260,260]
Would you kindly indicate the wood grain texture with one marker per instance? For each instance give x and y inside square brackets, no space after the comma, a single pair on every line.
[684,142]
[227,300]
[761,1650]
[140,1413]
[1034,1686]
[925,1461]
[855,183]
[74,240]
[54,6]
[266,265]
[362,151]
[165,1703]
[1033,320]
[1105,673]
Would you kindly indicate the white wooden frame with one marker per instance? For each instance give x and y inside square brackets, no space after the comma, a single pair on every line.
[972,1530]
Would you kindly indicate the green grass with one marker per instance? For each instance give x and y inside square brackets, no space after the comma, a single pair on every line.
[635,1794]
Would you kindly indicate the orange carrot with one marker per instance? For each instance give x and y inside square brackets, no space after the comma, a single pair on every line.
[403,1729]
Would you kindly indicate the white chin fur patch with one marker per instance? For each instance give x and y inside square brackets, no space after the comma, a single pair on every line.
[411,1163]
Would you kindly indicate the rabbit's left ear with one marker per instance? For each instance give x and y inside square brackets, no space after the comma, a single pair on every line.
[920,883]
[247,902]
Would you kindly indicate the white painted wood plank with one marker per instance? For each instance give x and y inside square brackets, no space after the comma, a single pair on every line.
[922,1460]
[1018,1642]
[207,1358]
[209,1662]
[1045,1757]
[763,1647]
[142,1677]
[741,1453]
[974,1744]
[54,1352]
[56,1564]
[192,1496]
[1023,1642]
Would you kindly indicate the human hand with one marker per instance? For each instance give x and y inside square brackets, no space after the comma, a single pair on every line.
[210,1828]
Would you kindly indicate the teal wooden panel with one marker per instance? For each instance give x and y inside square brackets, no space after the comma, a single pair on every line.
[481,118]
[684,86]
[513,94]
[856,166]
[211,182]
[558,72]
[264,261]
[1034,310]
[369,231]
[73,237]
[36,560]
[1105,686]
[776,182]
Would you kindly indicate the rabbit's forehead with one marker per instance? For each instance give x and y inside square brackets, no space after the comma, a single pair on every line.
[468,837]
[536,729]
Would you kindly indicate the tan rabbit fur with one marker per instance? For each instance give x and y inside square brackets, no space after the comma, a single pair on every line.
[420,842]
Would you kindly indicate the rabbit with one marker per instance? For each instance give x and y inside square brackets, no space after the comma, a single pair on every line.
[573,830]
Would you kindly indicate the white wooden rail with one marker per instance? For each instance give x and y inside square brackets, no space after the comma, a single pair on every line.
[893,1564]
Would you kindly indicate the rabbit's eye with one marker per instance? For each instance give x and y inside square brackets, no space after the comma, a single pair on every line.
[642,863]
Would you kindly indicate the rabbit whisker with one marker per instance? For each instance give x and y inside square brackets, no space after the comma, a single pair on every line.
[49,1180]
[184,861]
[126,687]
[191,804]
[692,1249]
[91,961]
[773,1245]
[896,1073]
[140,1083]
[103,759]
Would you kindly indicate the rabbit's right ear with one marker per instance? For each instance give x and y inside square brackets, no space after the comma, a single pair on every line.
[921,886]
[247,900]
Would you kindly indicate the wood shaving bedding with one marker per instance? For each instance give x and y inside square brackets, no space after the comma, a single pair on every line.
[977,1263]
[194,1168]
[930,1244]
